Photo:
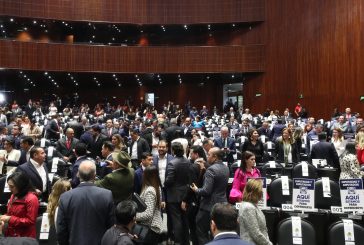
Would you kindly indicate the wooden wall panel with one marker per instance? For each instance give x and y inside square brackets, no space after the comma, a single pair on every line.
[314,48]
[139,11]
[76,58]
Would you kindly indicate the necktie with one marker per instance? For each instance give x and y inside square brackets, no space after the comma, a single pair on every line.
[68,144]
[225,142]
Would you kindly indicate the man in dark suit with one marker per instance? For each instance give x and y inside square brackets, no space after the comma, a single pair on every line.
[187,128]
[286,118]
[176,185]
[53,129]
[265,130]
[26,143]
[80,153]
[171,130]
[325,150]
[103,166]
[66,145]
[37,172]
[277,130]
[224,223]
[74,224]
[137,147]
[98,141]
[138,177]
[213,191]
[226,144]
[109,130]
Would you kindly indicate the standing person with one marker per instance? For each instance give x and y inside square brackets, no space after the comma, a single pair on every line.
[176,185]
[53,130]
[58,188]
[253,227]
[147,160]
[349,165]
[247,170]
[286,149]
[152,196]
[137,147]
[255,145]
[66,145]
[80,222]
[226,144]
[212,192]
[37,172]
[325,150]
[224,222]
[119,233]
[22,209]
[121,180]
[98,141]
[338,141]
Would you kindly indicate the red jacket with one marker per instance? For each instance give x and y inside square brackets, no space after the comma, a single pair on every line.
[23,212]
[360,156]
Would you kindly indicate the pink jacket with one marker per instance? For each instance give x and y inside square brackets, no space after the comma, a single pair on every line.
[239,182]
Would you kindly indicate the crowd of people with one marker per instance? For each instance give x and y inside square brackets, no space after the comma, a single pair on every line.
[178,161]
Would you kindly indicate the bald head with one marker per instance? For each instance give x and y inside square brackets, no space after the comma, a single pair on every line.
[224,132]
[215,154]
[87,171]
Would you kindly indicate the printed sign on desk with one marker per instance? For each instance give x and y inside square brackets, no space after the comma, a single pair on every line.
[303,197]
[352,195]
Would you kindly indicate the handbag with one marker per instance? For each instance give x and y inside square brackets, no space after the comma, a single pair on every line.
[141,206]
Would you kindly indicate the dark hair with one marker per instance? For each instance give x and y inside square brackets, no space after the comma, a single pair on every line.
[178,134]
[34,151]
[145,155]
[80,149]
[225,216]
[250,133]
[199,150]
[96,128]
[10,141]
[108,145]
[177,149]
[21,182]
[28,140]
[134,131]
[322,136]
[151,178]
[350,148]
[125,212]
[244,157]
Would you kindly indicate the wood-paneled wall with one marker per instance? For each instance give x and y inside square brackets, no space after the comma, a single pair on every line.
[93,58]
[139,11]
[314,48]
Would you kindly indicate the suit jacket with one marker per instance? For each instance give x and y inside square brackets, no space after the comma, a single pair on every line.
[187,132]
[214,186]
[75,181]
[279,149]
[96,146]
[138,177]
[142,146]
[35,179]
[23,157]
[326,150]
[177,180]
[52,130]
[263,131]
[229,157]
[64,151]
[228,239]
[84,215]
[120,182]
[156,162]
[276,131]
[105,132]
[171,133]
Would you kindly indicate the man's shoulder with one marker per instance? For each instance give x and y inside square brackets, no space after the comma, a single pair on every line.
[228,239]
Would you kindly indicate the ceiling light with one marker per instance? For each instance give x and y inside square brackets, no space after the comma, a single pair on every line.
[11,20]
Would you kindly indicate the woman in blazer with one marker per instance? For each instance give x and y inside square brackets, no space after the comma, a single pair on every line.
[286,149]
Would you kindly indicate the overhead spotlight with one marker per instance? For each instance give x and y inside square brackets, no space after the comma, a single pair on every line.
[179,75]
[25,76]
[34,22]
[71,77]
[25,29]
[158,75]
[11,20]
[136,75]
[20,72]
[233,25]
[94,78]
[113,75]
[49,77]
[93,36]
[69,74]
[232,76]
[207,77]
[89,24]
[185,26]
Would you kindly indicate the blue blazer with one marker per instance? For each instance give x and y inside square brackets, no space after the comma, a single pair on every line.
[230,145]
[138,178]
[228,239]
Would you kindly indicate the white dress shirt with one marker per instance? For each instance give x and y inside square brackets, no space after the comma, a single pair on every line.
[162,166]
[42,173]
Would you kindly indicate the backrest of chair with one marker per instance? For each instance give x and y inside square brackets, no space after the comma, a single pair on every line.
[336,234]
[52,236]
[326,202]
[268,171]
[285,233]
[276,197]
[297,171]
[4,196]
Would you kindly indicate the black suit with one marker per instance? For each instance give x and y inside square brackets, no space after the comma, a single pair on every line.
[279,150]
[142,146]
[35,178]
[229,157]
[326,150]
[52,130]
[266,132]
[106,132]
[276,131]
[67,151]
[84,215]
[171,133]
[96,146]
[177,185]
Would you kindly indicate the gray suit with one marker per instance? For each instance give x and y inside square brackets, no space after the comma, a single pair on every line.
[84,215]
[213,191]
